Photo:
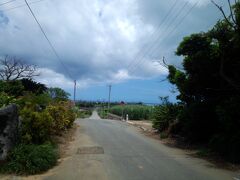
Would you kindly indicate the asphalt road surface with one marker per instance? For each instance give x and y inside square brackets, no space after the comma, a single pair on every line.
[114,150]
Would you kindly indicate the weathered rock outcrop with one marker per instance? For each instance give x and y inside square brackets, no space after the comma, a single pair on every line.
[8,129]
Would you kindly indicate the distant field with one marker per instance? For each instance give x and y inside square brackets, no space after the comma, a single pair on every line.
[135,112]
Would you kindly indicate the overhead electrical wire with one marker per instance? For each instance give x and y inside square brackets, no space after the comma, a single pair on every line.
[49,42]
[155,42]
[7,2]
[20,6]
[154,33]
[143,49]
[170,32]
[180,22]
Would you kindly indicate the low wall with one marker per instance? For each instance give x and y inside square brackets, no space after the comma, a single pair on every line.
[9,123]
[113,116]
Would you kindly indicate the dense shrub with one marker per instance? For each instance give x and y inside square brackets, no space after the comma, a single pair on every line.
[226,140]
[33,87]
[12,88]
[6,99]
[36,127]
[135,112]
[58,94]
[165,114]
[195,118]
[31,159]
[103,113]
[63,116]
[33,101]
[82,113]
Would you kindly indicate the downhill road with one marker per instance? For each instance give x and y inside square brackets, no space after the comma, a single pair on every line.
[114,150]
[129,155]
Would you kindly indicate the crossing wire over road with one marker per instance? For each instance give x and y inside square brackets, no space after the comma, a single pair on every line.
[155,33]
[142,60]
[20,6]
[143,50]
[7,2]
[49,42]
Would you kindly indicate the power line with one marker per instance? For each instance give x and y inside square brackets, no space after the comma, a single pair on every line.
[151,48]
[144,50]
[181,21]
[155,32]
[7,2]
[49,42]
[20,6]
[170,32]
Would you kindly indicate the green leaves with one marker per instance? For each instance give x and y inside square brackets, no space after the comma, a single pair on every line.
[31,159]
[58,94]
[36,126]
[165,115]
[6,100]
[209,88]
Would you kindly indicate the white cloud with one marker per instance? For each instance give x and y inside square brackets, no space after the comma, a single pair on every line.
[53,79]
[96,40]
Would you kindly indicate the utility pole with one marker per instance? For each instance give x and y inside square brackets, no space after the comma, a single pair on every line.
[74,93]
[109,96]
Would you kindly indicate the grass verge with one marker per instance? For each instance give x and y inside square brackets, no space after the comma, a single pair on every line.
[30,159]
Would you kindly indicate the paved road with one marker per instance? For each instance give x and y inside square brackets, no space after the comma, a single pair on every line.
[128,155]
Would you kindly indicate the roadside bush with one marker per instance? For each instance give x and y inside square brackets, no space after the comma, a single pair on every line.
[12,88]
[36,127]
[58,94]
[30,159]
[83,113]
[6,100]
[33,101]
[194,119]
[34,87]
[227,139]
[103,113]
[63,116]
[165,115]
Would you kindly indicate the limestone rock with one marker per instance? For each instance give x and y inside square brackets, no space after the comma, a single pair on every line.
[9,123]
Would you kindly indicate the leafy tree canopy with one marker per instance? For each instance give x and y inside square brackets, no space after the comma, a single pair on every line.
[58,94]
[34,87]
[209,85]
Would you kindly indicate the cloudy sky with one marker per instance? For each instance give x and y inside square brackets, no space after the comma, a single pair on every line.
[102,42]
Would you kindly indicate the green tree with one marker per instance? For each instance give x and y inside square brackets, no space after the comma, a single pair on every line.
[12,88]
[58,94]
[33,86]
[210,83]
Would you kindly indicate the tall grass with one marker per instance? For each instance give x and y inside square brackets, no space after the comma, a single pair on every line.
[135,112]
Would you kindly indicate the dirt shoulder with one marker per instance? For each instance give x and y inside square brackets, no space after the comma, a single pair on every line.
[145,127]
